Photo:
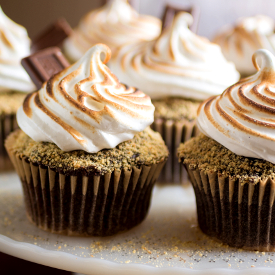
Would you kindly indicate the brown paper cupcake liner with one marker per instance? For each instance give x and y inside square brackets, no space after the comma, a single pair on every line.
[85,204]
[7,125]
[240,215]
[174,133]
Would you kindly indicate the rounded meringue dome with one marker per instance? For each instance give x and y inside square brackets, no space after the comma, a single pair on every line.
[242,118]
[178,63]
[85,107]
[115,24]
[239,42]
[14,45]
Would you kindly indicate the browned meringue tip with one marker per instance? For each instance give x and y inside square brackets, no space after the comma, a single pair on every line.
[171,11]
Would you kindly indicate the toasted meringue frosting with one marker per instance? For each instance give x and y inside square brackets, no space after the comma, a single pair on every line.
[115,24]
[242,118]
[14,45]
[178,63]
[84,107]
[239,42]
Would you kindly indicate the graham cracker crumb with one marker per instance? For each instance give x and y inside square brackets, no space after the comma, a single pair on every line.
[209,156]
[10,102]
[176,108]
[146,148]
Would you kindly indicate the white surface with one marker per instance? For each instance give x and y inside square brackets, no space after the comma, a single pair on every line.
[167,242]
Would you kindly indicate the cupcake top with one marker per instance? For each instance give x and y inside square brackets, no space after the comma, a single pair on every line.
[239,42]
[242,118]
[179,63]
[115,24]
[14,45]
[84,107]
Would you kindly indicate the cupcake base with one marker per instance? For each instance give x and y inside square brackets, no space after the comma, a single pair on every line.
[240,215]
[173,133]
[85,203]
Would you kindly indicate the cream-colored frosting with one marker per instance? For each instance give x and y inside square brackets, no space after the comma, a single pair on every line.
[115,24]
[14,45]
[242,118]
[239,42]
[85,107]
[178,63]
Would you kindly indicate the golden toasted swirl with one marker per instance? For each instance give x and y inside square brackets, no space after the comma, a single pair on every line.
[178,63]
[85,107]
[14,45]
[115,25]
[239,42]
[243,117]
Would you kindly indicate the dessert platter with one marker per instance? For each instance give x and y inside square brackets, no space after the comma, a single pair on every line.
[167,242]
[95,135]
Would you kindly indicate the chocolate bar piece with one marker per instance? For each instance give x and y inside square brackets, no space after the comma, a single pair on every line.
[42,65]
[53,36]
[170,12]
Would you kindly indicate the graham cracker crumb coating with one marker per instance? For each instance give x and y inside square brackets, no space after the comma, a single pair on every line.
[10,102]
[176,108]
[146,147]
[208,155]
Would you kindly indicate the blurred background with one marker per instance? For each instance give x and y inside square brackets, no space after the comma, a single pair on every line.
[36,15]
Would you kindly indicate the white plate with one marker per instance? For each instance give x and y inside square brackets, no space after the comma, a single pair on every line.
[167,242]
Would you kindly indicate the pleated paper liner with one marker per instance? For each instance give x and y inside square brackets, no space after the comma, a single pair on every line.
[240,215]
[7,125]
[174,132]
[90,204]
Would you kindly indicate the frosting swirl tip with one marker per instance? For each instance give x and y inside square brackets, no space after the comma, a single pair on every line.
[84,107]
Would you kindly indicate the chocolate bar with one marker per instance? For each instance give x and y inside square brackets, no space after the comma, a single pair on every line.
[53,36]
[170,12]
[42,65]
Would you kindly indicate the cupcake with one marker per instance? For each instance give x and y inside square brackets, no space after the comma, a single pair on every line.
[85,155]
[239,42]
[178,70]
[232,163]
[14,81]
[114,24]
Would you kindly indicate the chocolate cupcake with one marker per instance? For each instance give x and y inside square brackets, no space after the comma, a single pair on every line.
[232,163]
[178,70]
[114,24]
[14,81]
[239,42]
[85,155]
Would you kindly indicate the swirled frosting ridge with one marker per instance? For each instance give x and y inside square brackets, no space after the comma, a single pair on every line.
[178,63]
[242,118]
[14,45]
[84,107]
[115,24]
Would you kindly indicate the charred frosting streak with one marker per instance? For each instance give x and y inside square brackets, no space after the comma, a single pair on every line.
[178,63]
[242,118]
[14,45]
[114,24]
[239,42]
[84,107]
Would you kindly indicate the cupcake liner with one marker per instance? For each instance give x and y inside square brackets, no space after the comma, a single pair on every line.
[240,215]
[85,203]
[7,125]
[174,132]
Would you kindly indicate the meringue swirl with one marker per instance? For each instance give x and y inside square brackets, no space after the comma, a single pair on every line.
[242,118]
[178,63]
[115,24]
[14,45]
[239,42]
[84,107]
